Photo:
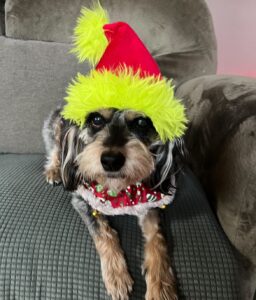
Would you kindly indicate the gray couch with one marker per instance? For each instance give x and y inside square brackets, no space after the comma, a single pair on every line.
[45,249]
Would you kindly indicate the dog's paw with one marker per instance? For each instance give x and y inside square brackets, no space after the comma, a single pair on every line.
[161,292]
[119,285]
[116,277]
[52,176]
[160,286]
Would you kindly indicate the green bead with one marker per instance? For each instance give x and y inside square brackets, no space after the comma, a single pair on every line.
[112,193]
[99,188]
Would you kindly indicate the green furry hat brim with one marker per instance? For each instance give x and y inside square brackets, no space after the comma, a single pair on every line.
[154,97]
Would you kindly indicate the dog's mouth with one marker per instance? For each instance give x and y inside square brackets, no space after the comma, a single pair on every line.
[115,175]
[115,180]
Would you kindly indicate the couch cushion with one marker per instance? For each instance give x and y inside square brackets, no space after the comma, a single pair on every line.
[47,253]
[222,142]
[34,76]
[179,33]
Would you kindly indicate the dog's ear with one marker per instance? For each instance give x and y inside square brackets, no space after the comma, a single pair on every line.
[71,146]
[169,158]
[180,153]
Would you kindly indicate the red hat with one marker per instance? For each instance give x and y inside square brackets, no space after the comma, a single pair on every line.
[125,48]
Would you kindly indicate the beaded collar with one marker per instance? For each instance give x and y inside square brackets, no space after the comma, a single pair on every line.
[134,200]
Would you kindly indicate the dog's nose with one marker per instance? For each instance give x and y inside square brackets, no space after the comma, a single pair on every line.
[112,161]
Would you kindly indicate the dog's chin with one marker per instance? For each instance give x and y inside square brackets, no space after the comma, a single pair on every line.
[115,181]
[116,175]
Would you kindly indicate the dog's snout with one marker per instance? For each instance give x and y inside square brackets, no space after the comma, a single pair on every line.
[112,161]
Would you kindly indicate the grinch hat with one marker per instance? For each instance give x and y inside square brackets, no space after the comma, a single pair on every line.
[125,76]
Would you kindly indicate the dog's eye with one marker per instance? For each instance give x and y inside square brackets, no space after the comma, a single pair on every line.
[142,127]
[141,123]
[96,121]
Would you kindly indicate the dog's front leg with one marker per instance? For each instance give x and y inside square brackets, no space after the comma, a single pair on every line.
[52,168]
[158,272]
[115,273]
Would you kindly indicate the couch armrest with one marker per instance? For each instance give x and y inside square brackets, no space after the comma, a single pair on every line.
[222,143]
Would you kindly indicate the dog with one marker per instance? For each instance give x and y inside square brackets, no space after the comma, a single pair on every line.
[116,148]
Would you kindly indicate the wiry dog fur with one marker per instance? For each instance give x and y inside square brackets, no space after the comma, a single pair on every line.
[128,138]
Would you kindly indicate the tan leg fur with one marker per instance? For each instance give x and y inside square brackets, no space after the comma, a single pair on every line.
[158,273]
[114,269]
[52,169]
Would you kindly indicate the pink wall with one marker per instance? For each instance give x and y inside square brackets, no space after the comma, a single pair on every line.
[235,27]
